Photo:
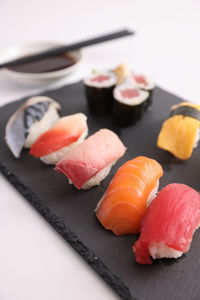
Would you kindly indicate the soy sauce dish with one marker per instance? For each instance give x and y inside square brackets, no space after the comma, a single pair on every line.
[41,71]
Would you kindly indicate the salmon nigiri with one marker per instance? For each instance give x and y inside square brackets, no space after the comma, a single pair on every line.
[126,199]
[168,224]
[67,133]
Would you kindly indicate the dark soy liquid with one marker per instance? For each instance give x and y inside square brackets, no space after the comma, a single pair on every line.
[49,64]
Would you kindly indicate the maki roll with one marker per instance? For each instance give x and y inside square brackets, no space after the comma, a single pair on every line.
[180,132]
[145,83]
[133,187]
[31,119]
[99,92]
[65,135]
[91,161]
[168,224]
[130,103]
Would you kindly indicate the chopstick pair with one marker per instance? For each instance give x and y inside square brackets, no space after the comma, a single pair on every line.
[63,49]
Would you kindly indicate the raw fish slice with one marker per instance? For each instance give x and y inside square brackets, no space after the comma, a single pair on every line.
[59,139]
[144,82]
[33,118]
[125,201]
[97,152]
[169,224]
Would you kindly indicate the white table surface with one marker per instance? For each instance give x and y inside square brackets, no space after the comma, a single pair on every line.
[35,262]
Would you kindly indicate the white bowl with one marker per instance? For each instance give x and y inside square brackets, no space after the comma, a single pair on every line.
[14,52]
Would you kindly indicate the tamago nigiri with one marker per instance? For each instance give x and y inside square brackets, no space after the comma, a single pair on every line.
[180,132]
[125,201]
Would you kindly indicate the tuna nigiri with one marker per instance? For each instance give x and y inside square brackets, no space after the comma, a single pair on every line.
[125,201]
[90,162]
[169,224]
[66,134]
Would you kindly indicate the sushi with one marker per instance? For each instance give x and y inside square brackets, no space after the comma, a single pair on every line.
[141,81]
[130,103]
[145,83]
[180,132]
[99,91]
[31,119]
[90,162]
[169,224]
[131,97]
[132,189]
[65,135]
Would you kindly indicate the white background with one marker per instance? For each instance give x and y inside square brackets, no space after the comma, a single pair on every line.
[35,263]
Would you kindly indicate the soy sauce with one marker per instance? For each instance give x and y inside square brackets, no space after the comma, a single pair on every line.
[49,64]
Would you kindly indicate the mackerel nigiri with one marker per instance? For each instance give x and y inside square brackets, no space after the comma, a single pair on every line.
[169,224]
[66,134]
[30,120]
[90,162]
[125,201]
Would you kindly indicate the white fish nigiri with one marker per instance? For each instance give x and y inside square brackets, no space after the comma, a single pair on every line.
[66,134]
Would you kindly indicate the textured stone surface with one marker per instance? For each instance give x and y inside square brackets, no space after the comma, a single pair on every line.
[71,212]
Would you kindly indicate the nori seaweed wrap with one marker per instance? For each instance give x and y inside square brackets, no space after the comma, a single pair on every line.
[186,111]
[99,92]
[145,83]
[129,104]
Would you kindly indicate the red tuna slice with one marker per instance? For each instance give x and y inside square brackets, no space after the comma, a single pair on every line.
[130,93]
[100,78]
[140,79]
[171,219]
[66,131]
[95,153]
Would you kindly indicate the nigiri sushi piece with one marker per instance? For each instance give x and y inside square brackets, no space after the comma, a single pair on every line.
[180,132]
[65,135]
[133,187]
[169,224]
[31,119]
[90,162]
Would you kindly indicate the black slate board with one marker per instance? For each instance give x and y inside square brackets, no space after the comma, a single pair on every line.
[71,212]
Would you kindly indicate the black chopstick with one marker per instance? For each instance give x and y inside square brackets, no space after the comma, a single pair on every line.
[63,49]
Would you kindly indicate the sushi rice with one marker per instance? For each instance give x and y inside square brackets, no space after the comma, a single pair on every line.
[54,157]
[131,101]
[147,87]
[98,177]
[93,81]
[161,250]
[196,141]
[152,194]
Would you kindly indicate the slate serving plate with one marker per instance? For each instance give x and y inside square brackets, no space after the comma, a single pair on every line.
[71,212]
